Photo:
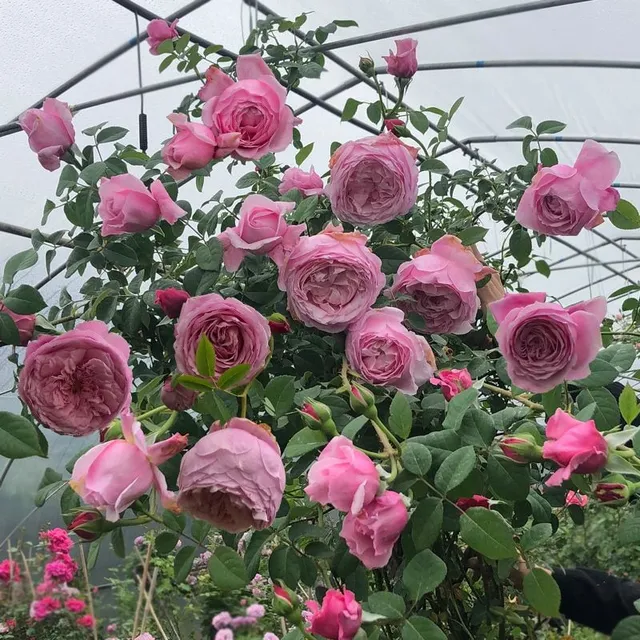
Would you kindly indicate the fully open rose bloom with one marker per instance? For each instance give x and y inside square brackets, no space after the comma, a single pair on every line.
[127,206]
[385,353]
[50,131]
[309,183]
[338,618]
[403,63]
[238,333]
[372,533]
[26,324]
[331,279]
[78,382]
[452,381]
[112,475]
[343,477]
[545,344]
[261,229]
[233,477]
[578,447]
[158,31]
[562,200]
[373,180]
[441,285]
[254,108]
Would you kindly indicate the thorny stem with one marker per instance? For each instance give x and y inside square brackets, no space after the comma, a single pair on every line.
[507,394]
[243,405]
[167,425]
[152,412]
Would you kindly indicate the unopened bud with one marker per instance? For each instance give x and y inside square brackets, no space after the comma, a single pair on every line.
[113,432]
[367,65]
[88,525]
[521,447]
[317,415]
[285,604]
[362,401]
[613,491]
[397,127]
[176,397]
[278,323]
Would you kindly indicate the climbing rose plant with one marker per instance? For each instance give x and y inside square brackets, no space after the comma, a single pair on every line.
[324,363]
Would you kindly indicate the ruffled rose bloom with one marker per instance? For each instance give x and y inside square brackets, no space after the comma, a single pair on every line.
[58,540]
[308,183]
[87,621]
[9,571]
[171,301]
[253,110]
[564,200]
[78,382]
[127,206]
[373,180]
[474,501]
[385,353]
[145,636]
[41,609]
[50,131]
[331,279]
[238,333]
[573,497]
[338,618]
[26,324]
[440,283]
[158,31]
[233,477]
[75,605]
[545,344]
[493,290]
[261,229]
[111,476]
[343,477]
[176,397]
[577,447]
[372,533]
[452,381]
[403,63]
[62,569]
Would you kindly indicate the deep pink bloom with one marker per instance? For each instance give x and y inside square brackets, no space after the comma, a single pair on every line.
[81,526]
[87,621]
[391,123]
[261,229]
[372,533]
[473,501]
[158,31]
[41,609]
[78,382]
[521,447]
[177,397]
[9,571]
[545,344]
[343,476]
[403,63]
[573,497]
[171,301]
[278,323]
[577,447]
[50,131]
[309,183]
[338,618]
[58,540]
[250,115]
[452,381]
[562,200]
[62,569]
[233,477]
[75,605]
[26,324]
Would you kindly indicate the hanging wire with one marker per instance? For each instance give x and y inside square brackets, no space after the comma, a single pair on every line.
[142,117]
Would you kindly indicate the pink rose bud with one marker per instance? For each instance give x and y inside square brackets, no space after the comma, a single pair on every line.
[171,301]
[613,491]
[562,200]
[310,417]
[50,131]
[9,571]
[521,447]
[396,126]
[452,381]
[338,618]
[403,63]
[362,401]
[232,497]
[278,323]
[475,501]
[316,415]
[372,533]
[367,65]
[158,31]
[573,497]
[545,344]
[176,397]
[26,324]
[577,447]
[87,525]
[309,183]
[285,604]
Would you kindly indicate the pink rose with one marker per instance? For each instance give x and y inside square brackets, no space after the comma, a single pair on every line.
[41,609]
[62,569]
[176,397]
[343,477]
[372,533]
[171,301]
[573,497]
[373,180]
[111,476]
[563,200]
[452,381]
[338,618]
[26,324]
[390,125]
[331,279]
[127,206]
[475,501]
[309,183]
[58,540]
[545,344]
[252,110]
[577,447]
[261,229]
[403,63]
[9,571]
[50,131]
[78,382]
[158,31]
[193,146]
[441,285]
[82,527]
[75,605]
[145,636]
[233,477]
[385,353]
[239,334]
[87,621]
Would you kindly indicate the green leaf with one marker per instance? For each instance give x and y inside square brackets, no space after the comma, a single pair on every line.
[602,374]
[625,216]
[455,469]
[247,180]
[68,178]
[205,357]
[227,570]
[304,441]
[374,112]
[183,562]
[111,134]
[419,121]
[194,383]
[476,428]
[628,403]
[93,173]
[458,406]
[209,256]
[400,416]
[629,530]
[509,480]
[253,552]
[24,300]
[606,413]
[19,262]
[311,70]
[426,522]
[304,153]
[392,257]
[549,127]
[535,536]
[552,400]
[50,483]
[627,629]
[166,542]
[620,355]
[117,543]
[419,628]
[543,268]
[389,605]
[471,235]
[121,255]
[521,123]
[488,533]
[18,437]
[279,393]
[350,108]
[49,206]
[233,377]
[416,458]
[423,573]
[131,315]
[305,209]
[433,165]
[542,592]
[520,245]
[284,564]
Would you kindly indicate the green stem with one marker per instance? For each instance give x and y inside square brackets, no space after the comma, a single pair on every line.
[620,333]
[385,435]
[152,412]
[507,394]
[243,405]
[6,470]
[167,425]
[180,533]
[374,454]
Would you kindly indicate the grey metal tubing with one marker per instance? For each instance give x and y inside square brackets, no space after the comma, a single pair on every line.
[23,232]
[579,266]
[56,272]
[608,241]
[590,284]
